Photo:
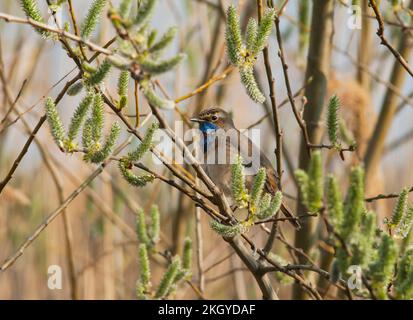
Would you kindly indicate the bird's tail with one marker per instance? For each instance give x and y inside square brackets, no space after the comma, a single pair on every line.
[292,219]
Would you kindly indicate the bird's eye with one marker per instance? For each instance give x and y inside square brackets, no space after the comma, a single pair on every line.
[214,118]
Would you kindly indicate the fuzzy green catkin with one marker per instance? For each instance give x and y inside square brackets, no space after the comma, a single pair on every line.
[154,99]
[282,278]
[400,208]
[157,67]
[264,203]
[145,11]
[405,291]
[155,225]
[187,255]
[164,41]
[131,178]
[334,202]
[273,208]
[405,225]
[123,83]
[332,120]
[108,146]
[75,89]
[345,134]
[342,260]
[32,11]
[403,283]
[251,34]
[233,35]
[125,8]
[354,204]
[141,229]
[145,144]
[92,18]
[123,86]
[258,187]
[97,118]
[239,191]
[363,250]
[87,134]
[381,271]
[315,182]
[248,80]
[56,125]
[140,291]
[145,272]
[404,266]
[168,278]
[79,117]
[97,77]
[226,230]
[302,180]
[264,30]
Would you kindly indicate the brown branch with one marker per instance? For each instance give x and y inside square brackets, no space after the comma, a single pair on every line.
[12,259]
[297,115]
[380,33]
[385,196]
[62,33]
[32,136]
[207,84]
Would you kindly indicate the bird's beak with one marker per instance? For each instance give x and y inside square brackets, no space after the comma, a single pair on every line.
[196,120]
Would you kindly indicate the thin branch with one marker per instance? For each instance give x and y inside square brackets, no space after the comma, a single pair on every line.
[62,33]
[380,33]
[13,258]
[207,84]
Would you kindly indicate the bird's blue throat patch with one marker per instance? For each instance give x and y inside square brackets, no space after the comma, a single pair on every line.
[207,127]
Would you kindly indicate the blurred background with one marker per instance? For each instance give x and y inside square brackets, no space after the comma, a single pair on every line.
[99,224]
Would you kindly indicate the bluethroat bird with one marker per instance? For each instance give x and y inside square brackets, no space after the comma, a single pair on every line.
[221,143]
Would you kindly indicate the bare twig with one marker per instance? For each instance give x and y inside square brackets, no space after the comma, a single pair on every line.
[380,33]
